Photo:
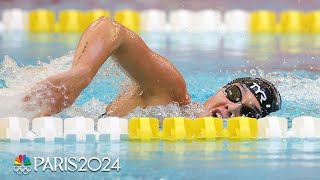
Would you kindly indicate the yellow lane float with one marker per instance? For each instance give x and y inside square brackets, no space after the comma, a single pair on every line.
[242,128]
[143,128]
[177,128]
[94,14]
[292,22]
[313,22]
[208,128]
[263,21]
[41,20]
[72,21]
[128,18]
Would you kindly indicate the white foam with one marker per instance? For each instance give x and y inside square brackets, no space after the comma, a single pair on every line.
[272,127]
[80,127]
[13,128]
[48,127]
[112,126]
[236,21]
[306,127]
[152,20]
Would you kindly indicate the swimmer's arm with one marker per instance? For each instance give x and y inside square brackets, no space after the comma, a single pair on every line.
[150,71]
[155,76]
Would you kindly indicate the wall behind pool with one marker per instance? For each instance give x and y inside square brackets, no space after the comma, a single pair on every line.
[156,20]
[165,5]
[276,5]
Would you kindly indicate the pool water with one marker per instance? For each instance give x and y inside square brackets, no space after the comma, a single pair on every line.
[207,62]
[266,159]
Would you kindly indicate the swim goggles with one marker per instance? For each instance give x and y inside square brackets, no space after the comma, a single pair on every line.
[233,93]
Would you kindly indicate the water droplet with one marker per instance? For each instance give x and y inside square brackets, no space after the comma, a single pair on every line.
[253,72]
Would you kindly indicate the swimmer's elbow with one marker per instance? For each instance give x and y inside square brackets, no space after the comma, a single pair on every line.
[109,25]
[111,30]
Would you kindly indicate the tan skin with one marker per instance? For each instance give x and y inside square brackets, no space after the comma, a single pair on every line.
[156,80]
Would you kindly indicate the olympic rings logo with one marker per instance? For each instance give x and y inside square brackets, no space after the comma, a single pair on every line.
[22,169]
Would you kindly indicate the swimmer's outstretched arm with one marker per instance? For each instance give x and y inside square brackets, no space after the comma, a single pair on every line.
[158,81]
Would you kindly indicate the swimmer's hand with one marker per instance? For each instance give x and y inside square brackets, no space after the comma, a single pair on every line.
[55,93]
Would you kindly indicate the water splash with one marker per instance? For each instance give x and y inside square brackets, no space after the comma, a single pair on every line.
[19,80]
[92,109]
[300,95]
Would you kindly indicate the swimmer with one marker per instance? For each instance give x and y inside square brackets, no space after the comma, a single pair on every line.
[156,80]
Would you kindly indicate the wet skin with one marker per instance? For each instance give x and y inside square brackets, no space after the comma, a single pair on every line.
[155,80]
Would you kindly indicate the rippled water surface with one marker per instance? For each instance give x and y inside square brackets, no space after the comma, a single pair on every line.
[207,61]
[266,159]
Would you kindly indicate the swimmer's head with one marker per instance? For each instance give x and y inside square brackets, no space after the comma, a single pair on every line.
[251,97]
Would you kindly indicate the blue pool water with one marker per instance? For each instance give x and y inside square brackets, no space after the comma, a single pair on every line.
[207,61]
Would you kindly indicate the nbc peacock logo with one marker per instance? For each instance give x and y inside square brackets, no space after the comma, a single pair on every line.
[22,164]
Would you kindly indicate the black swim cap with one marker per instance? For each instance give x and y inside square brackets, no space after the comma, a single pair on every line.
[265,92]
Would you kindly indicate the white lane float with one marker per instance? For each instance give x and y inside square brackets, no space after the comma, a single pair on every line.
[15,19]
[79,127]
[272,127]
[207,21]
[306,127]
[181,20]
[236,21]
[152,20]
[112,128]
[13,128]
[48,128]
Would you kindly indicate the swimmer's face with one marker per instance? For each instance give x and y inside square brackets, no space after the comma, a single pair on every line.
[220,105]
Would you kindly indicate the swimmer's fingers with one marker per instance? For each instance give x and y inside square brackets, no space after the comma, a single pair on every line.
[27,107]
[37,90]
[26,98]
[30,103]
